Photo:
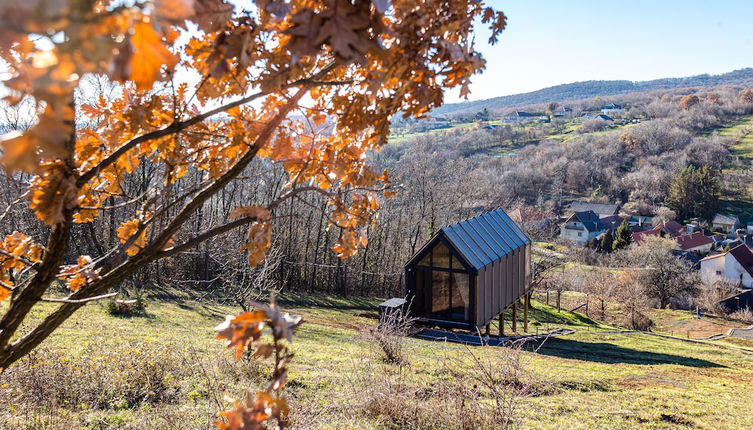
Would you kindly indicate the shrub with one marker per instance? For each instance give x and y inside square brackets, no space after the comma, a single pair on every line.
[127,308]
[100,379]
[389,334]
[745,315]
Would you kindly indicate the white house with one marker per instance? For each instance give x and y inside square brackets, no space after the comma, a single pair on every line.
[563,112]
[613,110]
[581,227]
[725,223]
[735,265]
[520,116]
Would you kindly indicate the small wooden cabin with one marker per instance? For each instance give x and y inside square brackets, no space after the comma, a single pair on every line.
[470,272]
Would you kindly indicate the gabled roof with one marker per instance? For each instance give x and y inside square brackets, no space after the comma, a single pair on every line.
[693,240]
[603,117]
[612,220]
[743,256]
[599,208]
[725,219]
[640,236]
[589,219]
[611,106]
[530,213]
[521,114]
[482,239]
[672,228]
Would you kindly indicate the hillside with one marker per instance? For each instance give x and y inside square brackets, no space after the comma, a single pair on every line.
[177,376]
[589,89]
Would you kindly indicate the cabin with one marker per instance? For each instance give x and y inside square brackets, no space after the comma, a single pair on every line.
[468,273]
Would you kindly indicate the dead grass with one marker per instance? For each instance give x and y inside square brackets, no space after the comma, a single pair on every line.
[338,379]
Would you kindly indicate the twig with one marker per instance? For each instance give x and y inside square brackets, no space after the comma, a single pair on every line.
[90,299]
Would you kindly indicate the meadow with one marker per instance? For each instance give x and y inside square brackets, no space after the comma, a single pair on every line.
[166,370]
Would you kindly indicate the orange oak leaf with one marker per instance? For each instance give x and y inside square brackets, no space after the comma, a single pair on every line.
[127,230]
[148,56]
[4,292]
[241,330]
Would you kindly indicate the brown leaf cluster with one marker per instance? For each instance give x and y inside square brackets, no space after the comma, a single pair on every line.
[17,251]
[245,331]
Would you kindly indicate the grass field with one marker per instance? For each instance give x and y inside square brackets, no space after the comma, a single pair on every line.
[594,378]
[742,131]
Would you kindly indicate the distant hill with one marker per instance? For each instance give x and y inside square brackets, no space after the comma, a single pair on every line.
[588,89]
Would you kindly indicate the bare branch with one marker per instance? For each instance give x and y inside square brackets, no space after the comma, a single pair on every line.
[78,301]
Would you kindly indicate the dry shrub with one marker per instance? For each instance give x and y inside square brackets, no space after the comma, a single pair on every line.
[390,333]
[710,297]
[129,377]
[744,315]
[103,380]
[479,388]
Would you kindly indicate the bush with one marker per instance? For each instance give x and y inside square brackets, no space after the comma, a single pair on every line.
[103,380]
[389,334]
[481,389]
[127,308]
[744,315]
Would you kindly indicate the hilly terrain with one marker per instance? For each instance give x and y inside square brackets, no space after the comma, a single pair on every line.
[589,89]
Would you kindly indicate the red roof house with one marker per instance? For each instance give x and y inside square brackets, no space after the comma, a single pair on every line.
[697,241]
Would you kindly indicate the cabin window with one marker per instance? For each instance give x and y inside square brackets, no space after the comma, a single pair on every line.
[450,295]
[441,256]
[460,296]
[442,286]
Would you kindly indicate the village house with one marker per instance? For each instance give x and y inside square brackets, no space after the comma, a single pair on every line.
[671,229]
[531,217]
[520,116]
[601,209]
[725,223]
[605,118]
[581,227]
[734,266]
[563,112]
[612,110]
[694,242]
[611,222]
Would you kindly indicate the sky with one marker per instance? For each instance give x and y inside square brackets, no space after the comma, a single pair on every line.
[551,42]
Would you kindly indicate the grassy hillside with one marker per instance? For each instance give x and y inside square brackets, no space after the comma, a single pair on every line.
[590,89]
[166,370]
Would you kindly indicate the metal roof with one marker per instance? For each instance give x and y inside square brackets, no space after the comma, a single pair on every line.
[485,238]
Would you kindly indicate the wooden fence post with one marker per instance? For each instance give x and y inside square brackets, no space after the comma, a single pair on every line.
[558,300]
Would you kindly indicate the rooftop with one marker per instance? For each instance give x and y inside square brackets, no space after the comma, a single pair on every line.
[485,238]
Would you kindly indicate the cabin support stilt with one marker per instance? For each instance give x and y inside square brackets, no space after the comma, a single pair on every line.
[515,316]
[502,323]
[488,329]
[527,299]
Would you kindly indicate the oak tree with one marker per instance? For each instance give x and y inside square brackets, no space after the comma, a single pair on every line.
[687,102]
[203,89]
